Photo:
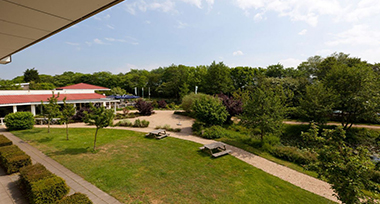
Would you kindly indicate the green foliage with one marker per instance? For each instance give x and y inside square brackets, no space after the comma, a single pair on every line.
[51,109]
[265,109]
[293,154]
[9,85]
[31,75]
[100,117]
[356,88]
[213,132]
[41,86]
[218,79]
[117,91]
[188,100]
[68,111]
[4,141]
[76,198]
[346,169]
[317,103]
[19,121]
[197,127]
[125,123]
[41,185]
[168,128]
[209,110]
[141,123]
[13,158]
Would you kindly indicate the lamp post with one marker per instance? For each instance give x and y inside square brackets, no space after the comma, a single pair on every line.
[196,89]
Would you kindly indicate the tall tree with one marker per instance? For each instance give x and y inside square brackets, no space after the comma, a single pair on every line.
[68,111]
[265,110]
[209,110]
[100,117]
[356,88]
[218,79]
[51,109]
[31,75]
[345,168]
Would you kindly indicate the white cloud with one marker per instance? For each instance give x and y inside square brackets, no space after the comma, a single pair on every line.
[127,39]
[73,44]
[110,27]
[237,53]
[290,62]
[100,17]
[147,22]
[357,35]
[363,9]
[302,32]
[181,25]
[166,6]
[197,3]
[99,42]
[297,10]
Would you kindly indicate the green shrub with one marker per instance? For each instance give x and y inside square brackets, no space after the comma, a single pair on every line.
[293,154]
[124,123]
[210,110]
[198,127]
[4,141]
[375,176]
[13,158]
[41,185]
[19,121]
[137,123]
[144,123]
[188,100]
[76,198]
[214,132]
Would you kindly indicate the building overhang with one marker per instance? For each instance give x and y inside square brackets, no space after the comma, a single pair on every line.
[27,22]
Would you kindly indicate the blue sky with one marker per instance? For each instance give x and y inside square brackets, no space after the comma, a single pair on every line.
[142,34]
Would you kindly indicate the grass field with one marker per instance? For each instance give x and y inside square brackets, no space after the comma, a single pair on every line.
[135,169]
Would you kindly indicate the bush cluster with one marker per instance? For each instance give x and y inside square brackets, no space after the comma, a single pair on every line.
[76,198]
[162,104]
[13,158]
[214,132]
[137,123]
[4,141]
[123,116]
[144,107]
[41,185]
[19,121]
[293,154]
[168,128]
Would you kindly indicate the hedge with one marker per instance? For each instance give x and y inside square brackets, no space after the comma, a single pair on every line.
[293,154]
[41,185]
[13,158]
[19,121]
[4,141]
[76,198]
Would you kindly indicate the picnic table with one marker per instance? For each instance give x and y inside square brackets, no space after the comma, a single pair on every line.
[218,147]
[158,134]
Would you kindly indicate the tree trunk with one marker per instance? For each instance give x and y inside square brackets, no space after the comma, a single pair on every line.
[67,130]
[48,126]
[96,133]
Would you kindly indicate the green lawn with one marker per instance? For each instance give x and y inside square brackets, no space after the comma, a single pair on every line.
[135,169]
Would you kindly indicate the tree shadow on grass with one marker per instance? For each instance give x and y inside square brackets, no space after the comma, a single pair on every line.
[45,139]
[70,151]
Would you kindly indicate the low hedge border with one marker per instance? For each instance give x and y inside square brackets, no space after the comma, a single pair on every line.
[12,158]
[42,186]
[76,198]
[4,141]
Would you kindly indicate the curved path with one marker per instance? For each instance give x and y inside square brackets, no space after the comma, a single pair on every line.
[177,121]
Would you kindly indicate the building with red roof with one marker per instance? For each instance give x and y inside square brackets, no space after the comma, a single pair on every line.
[30,100]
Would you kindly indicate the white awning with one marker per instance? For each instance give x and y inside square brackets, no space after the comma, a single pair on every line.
[26,22]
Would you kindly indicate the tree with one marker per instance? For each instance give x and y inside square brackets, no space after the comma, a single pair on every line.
[117,91]
[100,117]
[51,109]
[356,88]
[41,86]
[218,79]
[265,110]
[346,169]
[31,75]
[234,107]
[209,110]
[317,103]
[68,111]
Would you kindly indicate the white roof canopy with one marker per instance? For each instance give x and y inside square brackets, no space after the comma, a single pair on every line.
[26,22]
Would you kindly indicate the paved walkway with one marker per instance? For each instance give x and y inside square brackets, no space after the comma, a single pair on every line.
[10,194]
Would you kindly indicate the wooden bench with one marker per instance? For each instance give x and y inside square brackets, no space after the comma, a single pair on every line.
[219,154]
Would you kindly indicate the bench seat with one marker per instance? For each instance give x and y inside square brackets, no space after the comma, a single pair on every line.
[221,153]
